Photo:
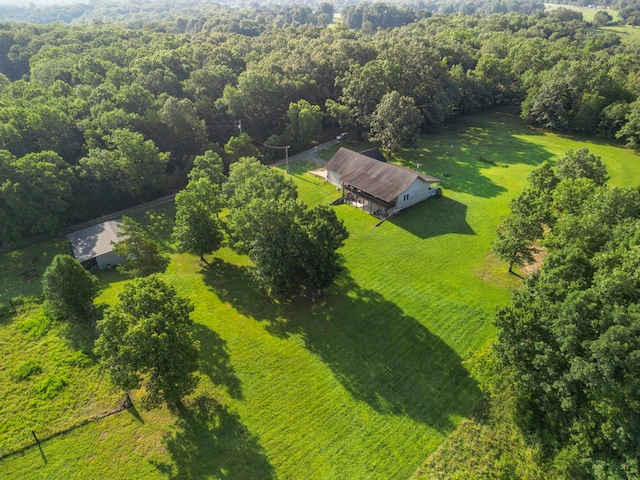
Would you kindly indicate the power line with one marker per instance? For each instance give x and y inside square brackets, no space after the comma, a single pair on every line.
[286,148]
[286,151]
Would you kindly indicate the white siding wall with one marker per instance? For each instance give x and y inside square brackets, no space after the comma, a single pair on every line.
[109,258]
[418,191]
[334,178]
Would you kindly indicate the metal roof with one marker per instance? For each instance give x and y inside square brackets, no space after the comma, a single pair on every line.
[379,179]
[374,153]
[94,241]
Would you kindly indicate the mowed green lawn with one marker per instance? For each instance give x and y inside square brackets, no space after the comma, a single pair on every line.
[363,383]
[588,14]
[629,34]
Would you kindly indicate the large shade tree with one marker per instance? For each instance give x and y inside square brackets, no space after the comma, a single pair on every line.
[146,340]
[68,289]
[197,228]
[141,253]
[396,121]
[249,179]
[292,246]
[252,182]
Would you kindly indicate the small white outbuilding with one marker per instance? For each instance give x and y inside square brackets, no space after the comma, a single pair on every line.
[93,246]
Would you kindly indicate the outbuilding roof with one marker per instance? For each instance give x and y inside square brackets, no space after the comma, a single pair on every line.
[94,241]
[383,180]
[374,153]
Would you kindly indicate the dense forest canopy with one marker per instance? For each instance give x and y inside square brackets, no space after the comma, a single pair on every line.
[115,114]
[569,337]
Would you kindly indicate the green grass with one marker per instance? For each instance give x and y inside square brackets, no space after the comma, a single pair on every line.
[22,269]
[587,13]
[367,381]
[49,380]
[629,34]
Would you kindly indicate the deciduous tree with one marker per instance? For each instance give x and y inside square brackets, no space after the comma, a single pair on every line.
[241,146]
[630,131]
[396,121]
[197,228]
[142,254]
[582,164]
[305,122]
[249,179]
[35,194]
[132,167]
[68,289]
[293,247]
[186,132]
[146,340]
[515,240]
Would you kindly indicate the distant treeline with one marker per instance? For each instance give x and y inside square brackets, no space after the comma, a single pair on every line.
[304,11]
[252,18]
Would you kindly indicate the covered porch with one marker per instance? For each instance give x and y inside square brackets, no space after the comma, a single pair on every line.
[368,203]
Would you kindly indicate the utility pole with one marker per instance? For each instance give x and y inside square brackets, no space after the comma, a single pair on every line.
[286,152]
[240,126]
[286,157]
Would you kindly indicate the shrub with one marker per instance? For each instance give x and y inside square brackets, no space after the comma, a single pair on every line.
[51,386]
[27,370]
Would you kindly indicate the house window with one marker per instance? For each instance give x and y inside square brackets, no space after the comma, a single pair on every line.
[405,197]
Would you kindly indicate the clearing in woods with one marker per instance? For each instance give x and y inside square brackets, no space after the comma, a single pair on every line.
[364,383]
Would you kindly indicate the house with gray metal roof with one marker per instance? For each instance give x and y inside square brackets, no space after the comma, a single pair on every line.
[381,188]
[93,246]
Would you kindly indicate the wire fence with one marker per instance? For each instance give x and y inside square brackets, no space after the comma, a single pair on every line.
[123,405]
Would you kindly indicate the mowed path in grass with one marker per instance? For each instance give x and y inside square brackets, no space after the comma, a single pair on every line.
[363,383]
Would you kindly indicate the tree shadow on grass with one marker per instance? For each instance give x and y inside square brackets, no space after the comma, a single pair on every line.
[209,441]
[109,276]
[378,353]
[437,216]
[81,333]
[458,174]
[480,143]
[236,286]
[214,360]
[384,357]
[159,223]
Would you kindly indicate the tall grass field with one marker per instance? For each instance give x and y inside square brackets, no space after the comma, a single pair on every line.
[363,383]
